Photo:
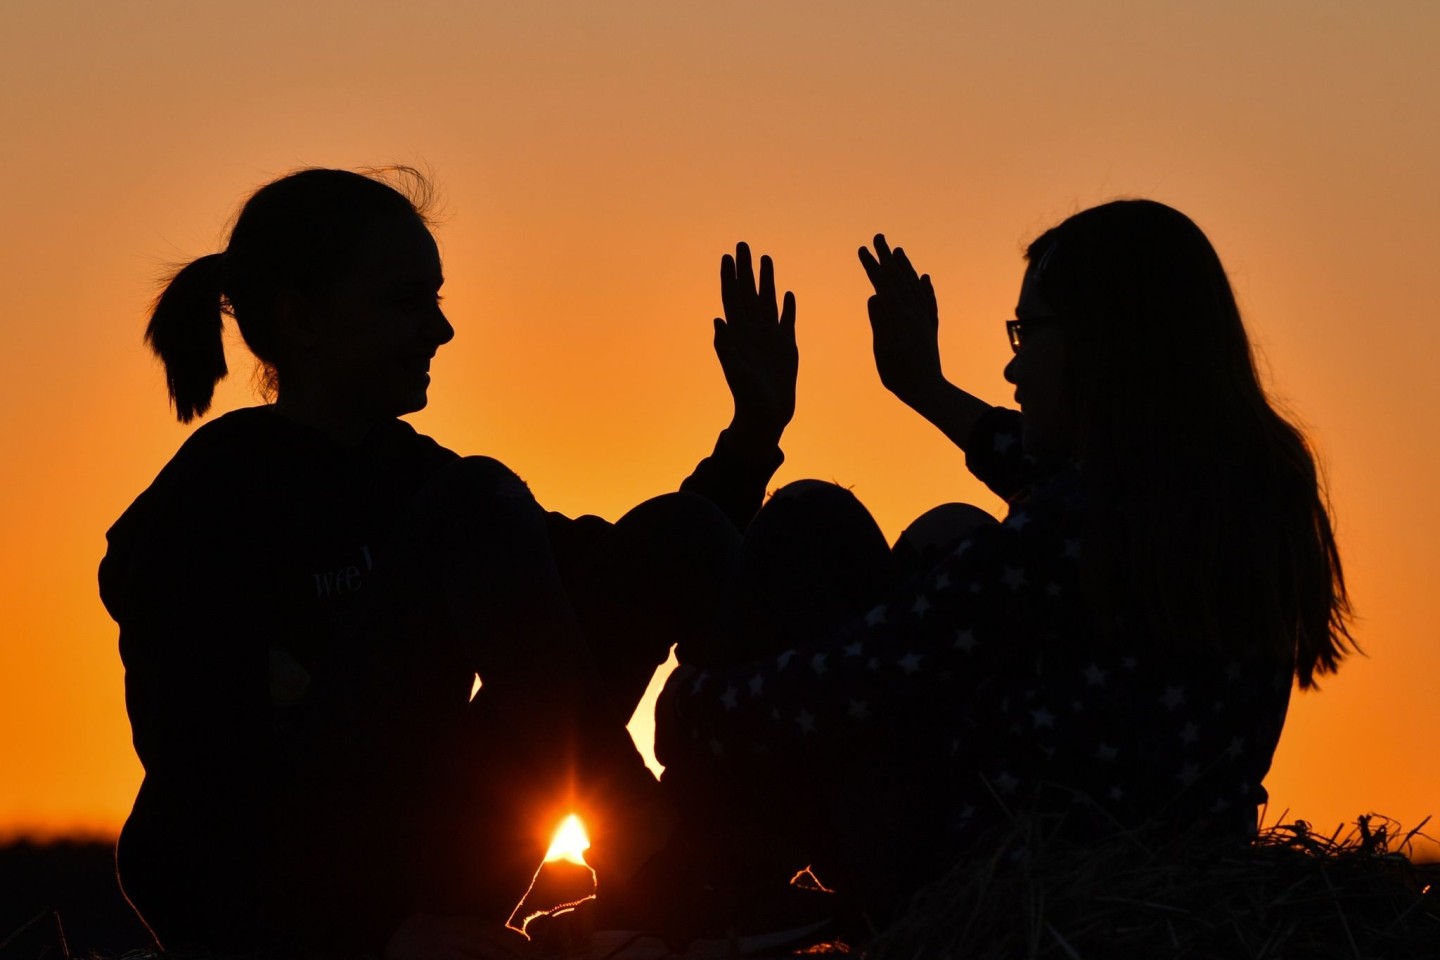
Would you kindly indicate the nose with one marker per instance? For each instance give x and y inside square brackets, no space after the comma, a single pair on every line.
[1009,372]
[441,330]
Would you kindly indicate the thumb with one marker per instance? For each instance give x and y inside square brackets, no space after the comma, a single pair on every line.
[724,346]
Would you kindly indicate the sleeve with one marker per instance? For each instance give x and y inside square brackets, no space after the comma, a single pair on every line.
[734,477]
[996,455]
[196,686]
[951,638]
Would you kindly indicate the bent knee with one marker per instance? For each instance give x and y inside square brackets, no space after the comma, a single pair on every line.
[483,476]
[939,530]
[470,487]
[676,511]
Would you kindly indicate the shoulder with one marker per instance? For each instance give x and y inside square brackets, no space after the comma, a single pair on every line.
[396,438]
[235,436]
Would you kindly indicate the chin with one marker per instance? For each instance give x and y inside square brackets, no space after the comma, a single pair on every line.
[412,404]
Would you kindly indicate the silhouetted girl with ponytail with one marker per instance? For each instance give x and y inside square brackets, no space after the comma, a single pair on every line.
[307,590]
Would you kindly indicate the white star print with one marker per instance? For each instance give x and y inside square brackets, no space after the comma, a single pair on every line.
[1014,578]
[1232,671]
[853,649]
[875,617]
[1004,783]
[1042,718]
[1106,753]
[717,748]
[1018,520]
[1190,733]
[699,683]
[1004,441]
[757,683]
[1236,748]
[1072,549]
[942,580]
[1129,663]
[1174,696]
[1188,774]
[872,664]
[817,663]
[783,661]
[859,710]
[1116,793]
[806,719]
[965,641]
[1094,676]
[910,663]
[921,605]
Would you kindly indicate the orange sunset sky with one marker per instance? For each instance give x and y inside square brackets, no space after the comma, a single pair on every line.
[596,159]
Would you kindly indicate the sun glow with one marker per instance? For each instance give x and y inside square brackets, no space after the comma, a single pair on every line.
[570,842]
[563,880]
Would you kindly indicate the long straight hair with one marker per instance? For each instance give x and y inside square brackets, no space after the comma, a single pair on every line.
[1211,528]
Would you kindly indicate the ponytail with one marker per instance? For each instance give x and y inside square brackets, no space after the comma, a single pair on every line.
[299,235]
[185,333]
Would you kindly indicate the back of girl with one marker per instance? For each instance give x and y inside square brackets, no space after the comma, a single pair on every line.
[238,572]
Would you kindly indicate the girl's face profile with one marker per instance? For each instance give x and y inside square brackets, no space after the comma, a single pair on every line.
[382,324]
[1038,373]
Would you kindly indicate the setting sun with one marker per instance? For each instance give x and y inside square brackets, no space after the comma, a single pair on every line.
[570,842]
[562,882]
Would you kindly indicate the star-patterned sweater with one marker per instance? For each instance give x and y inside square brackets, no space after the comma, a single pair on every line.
[992,675]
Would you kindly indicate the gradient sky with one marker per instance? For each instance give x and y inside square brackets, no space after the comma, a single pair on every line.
[595,160]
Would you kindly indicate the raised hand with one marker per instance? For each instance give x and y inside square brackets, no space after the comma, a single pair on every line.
[755,343]
[905,325]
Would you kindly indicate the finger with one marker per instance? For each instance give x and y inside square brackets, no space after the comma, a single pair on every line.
[722,340]
[767,290]
[728,287]
[930,295]
[876,308]
[787,314]
[903,266]
[882,249]
[872,267]
[744,275]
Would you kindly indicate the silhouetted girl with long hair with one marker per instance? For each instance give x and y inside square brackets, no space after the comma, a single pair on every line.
[1120,650]
[309,587]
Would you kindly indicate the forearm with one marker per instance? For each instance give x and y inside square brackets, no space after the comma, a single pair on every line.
[735,475]
[952,410]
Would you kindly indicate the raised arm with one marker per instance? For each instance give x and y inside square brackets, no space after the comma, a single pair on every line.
[755,343]
[905,324]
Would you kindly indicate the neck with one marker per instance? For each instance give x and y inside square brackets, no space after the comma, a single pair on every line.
[344,426]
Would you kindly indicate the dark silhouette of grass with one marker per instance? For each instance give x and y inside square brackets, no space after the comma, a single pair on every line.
[1150,894]
[62,899]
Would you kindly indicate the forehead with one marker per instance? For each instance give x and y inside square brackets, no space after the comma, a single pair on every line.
[398,246]
[1031,303]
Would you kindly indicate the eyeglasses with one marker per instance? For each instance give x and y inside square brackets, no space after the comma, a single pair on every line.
[1018,330]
